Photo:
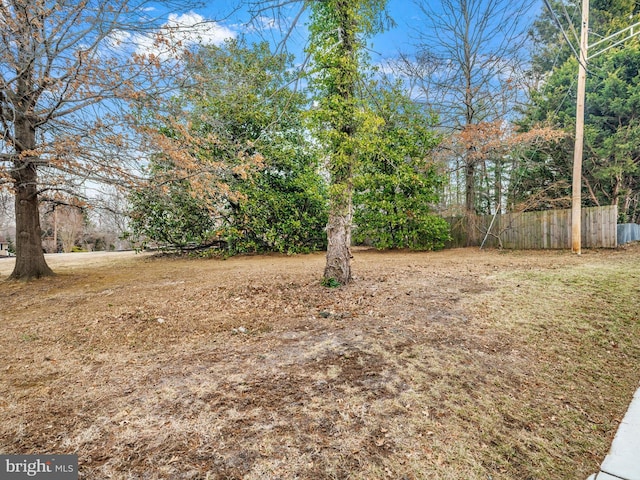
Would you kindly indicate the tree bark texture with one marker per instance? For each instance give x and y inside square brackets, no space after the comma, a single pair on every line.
[338,264]
[30,261]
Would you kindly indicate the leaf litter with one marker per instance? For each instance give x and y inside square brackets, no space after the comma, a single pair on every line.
[455,364]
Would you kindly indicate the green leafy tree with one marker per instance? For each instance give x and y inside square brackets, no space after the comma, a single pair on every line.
[168,213]
[282,206]
[282,209]
[250,171]
[397,183]
[338,29]
[548,41]
[611,165]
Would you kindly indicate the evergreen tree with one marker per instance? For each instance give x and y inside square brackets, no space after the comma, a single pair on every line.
[398,183]
[167,212]
[250,176]
[611,166]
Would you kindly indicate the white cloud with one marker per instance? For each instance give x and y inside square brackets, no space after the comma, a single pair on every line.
[177,34]
[193,28]
[118,38]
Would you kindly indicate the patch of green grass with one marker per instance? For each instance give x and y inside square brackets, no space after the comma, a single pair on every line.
[29,337]
[580,330]
[330,283]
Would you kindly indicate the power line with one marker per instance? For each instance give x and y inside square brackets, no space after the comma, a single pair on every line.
[564,33]
[570,22]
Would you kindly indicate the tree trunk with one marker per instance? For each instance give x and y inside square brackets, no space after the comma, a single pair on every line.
[497,199]
[338,264]
[343,156]
[470,203]
[30,262]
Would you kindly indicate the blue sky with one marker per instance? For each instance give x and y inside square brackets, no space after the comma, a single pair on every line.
[406,16]
[402,37]
[411,22]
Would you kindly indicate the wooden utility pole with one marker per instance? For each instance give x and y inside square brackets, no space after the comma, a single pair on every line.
[576,195]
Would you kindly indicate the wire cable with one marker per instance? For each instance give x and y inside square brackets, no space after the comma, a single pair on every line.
[570,22]
[564,33]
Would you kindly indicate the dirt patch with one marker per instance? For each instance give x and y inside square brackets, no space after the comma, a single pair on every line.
[456,364]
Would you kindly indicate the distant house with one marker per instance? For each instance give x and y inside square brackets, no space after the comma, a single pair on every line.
[4,248]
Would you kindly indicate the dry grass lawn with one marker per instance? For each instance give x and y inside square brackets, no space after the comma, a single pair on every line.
[459,364]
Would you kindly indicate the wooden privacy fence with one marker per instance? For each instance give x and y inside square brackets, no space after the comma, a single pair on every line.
[537,230]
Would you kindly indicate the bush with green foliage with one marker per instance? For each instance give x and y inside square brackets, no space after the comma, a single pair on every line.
[170,218]
[282,210]
[244,103]
[398,184]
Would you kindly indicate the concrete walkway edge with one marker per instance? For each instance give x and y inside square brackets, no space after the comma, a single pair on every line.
[623,460]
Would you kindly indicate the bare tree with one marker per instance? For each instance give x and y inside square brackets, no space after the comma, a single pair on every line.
[110,218]
[71,224]
[468,68]
[66,222]
[67,68]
